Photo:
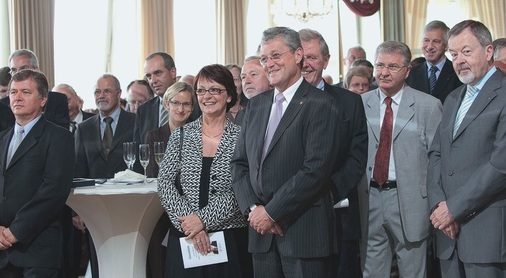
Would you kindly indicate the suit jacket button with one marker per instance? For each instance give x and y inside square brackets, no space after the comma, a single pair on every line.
[213,177]
[213,191]
[370,168]
[450,173]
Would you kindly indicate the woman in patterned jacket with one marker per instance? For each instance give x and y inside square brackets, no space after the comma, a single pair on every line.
[204,203]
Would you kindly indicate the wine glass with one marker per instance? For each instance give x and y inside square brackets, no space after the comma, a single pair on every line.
[129,154]
[144,158]
[159,150]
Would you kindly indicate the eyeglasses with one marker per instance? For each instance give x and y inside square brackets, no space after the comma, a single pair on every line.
[176,104]
[212,91]
[391,68]
[275,57]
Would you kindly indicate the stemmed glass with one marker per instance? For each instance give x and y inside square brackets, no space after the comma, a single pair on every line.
[129,154]
[144,158]
[159,149]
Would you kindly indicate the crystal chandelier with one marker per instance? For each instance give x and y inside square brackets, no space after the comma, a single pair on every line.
[304,10]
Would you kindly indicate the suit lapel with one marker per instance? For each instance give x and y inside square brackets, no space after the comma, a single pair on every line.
[263,111]
[298,100]
[484,97]
[95,136]
[120,127]
[405,112]
[29,141]
[372,112]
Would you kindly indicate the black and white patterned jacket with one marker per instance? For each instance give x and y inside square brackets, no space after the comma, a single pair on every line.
[222,211]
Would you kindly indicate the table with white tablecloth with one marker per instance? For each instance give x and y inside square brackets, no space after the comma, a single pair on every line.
[120,219]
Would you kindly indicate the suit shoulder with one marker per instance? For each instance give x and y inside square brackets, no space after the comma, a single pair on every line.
[421,96]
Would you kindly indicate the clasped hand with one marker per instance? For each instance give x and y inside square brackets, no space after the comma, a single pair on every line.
[442,219]
[193,228]
[7,239]
[260,220]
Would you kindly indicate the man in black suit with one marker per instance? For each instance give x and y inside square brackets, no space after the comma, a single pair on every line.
[93,160]
[435,44]
[351,158]
[160,72]
[282,180]
[35,180]
[56,110]
[76,114]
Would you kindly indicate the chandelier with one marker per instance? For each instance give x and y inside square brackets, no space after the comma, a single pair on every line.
[304,10]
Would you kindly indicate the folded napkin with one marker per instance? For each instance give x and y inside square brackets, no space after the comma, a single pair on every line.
[128,175]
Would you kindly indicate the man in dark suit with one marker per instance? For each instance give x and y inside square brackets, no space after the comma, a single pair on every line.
[466,178]
[435,44]
[35,180]
[351,158]
[160,72]
[72,236]
[93,160]
[282,180]
[56,110]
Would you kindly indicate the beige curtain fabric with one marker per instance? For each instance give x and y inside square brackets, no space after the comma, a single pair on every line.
[415,20]
[230,32]
[32,28]
[489,12]
[157,28]
[392,17]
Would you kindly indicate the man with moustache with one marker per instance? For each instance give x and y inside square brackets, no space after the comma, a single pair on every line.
[401,123]
[467,169]
[436,76]
[352,155]
[281,166]
[99,142]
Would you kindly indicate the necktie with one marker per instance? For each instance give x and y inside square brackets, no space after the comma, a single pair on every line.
[17,142]
[271,128]
[432,78]
[107,139]
[273,122]
[464,107]
[164,115]
[73,127]
[382,160]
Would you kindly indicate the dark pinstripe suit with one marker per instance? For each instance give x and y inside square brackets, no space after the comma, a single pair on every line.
[295,173]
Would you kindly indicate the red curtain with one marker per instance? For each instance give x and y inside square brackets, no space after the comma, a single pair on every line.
[363,7]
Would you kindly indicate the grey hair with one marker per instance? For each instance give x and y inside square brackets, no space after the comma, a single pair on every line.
[395,47]
[309,34]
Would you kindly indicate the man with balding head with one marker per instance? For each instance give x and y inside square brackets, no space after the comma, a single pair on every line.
[76,114]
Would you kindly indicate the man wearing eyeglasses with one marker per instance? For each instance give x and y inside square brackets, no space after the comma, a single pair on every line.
[99,142]
[56,109]
[401,124]
[281,166]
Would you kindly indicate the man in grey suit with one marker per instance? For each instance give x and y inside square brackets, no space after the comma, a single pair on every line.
[467,168]
[401,123]
[281,172]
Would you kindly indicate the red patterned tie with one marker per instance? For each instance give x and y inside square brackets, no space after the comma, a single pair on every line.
[381,163]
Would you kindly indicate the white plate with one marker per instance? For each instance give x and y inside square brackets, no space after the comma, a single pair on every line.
[126,180]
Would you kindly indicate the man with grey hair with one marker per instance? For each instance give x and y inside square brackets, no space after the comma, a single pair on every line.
[436,76]
[352,155]
[500,54]
[99,142]
[401,123]
[56,109]
[76,114]
[281,166]
[467,169]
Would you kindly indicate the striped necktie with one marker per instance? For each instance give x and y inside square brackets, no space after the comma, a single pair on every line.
[464,107]
[432,78]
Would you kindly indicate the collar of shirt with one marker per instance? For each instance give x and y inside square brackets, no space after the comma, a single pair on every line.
[321,85]
[439,65]
[479,85]
[396,99]
[288,93]
[28,126]
[79,118]
[114,115]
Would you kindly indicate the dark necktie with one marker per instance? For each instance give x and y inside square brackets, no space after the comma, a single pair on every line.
[107,139]
[380,174]
[73,127]
[432,78]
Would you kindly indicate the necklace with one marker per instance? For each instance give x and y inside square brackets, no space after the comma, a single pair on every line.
[212,137]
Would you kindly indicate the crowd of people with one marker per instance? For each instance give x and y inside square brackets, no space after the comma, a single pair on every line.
[396,170]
